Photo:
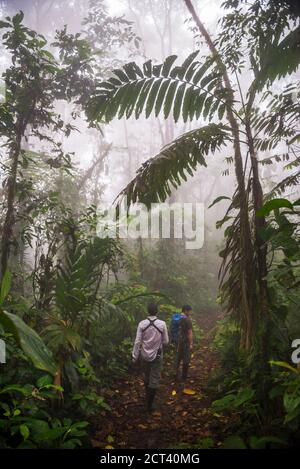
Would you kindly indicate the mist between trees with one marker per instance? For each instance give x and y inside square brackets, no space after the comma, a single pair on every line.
[188,107]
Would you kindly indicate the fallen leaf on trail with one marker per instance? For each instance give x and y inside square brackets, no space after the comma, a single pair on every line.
[217,415]
[189,392]
[184,414]
[109,447]
[174,393]
[155,426]
[143,427]
[156,414]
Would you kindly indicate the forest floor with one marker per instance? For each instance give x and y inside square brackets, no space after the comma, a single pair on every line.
[178,417]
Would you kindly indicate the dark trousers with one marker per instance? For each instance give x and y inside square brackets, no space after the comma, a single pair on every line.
[183,355]
[152,372]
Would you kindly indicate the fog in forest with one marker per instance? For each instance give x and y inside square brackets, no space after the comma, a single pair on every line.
[80,150]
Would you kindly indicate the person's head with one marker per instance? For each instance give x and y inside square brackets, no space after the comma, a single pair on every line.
[152,309]
[187,310]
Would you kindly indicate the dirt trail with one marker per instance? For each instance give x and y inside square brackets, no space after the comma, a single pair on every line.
[177,418]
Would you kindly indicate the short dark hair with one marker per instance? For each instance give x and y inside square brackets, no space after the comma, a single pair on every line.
[152,309]
[186,308]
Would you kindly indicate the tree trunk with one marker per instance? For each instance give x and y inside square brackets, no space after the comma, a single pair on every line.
[7,232]
[247,272]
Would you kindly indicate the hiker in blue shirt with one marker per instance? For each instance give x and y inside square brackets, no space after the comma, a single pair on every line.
[183,341]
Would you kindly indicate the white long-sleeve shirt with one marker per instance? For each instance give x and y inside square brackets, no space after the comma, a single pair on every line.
[151,340]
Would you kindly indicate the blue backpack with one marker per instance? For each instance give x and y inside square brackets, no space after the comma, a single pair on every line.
[175,327]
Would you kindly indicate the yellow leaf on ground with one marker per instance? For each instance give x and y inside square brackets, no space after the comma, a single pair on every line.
[174,393]
[189,392]
[143,427]
[109,447]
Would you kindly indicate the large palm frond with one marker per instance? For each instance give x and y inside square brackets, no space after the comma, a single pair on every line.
[169,167]
[189,90]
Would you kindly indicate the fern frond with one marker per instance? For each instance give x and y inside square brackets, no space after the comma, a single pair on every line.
[279,122]
[282,186]
[187,91]
[169,167]
[282,59]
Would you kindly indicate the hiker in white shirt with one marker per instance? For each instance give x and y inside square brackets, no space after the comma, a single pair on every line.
[151,335]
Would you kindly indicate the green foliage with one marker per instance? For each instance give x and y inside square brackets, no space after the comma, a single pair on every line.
[5,286]
[156,178]
[29,341]
[253,442]
[90,403]
[25,336]
[288,389]
[76,301]
[241,399]
[269,31]
[26,423]
[186,90]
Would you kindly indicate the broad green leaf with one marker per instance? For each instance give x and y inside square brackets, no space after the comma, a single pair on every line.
[24,430]
[256,442]
[160,97]
[167,65]
[147,68]
[186,104]
[130,70]
[284,365]
[218,199]
[169,98]
[178,101]
[152,96]
[273,205]
[5,286]
[187,63]
[121,75]
[4,24]
[142,98]
[29,341]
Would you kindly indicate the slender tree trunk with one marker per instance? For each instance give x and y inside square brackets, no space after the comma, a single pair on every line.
[247,272]
[7,232]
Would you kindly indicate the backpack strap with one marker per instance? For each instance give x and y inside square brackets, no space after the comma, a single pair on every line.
[152,323]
